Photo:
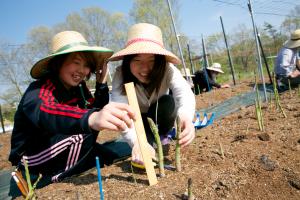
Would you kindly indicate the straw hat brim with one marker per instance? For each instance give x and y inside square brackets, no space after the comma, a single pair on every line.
[145,48]
[214,69]
[40,68]
[292,44]
[190,75]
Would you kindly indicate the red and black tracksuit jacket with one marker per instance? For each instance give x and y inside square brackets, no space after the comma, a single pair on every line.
[51,131]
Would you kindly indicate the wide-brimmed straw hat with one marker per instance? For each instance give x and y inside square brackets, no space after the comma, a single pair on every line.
[294,41]
[144,38]
[188,72]
[68,42]
[216,67]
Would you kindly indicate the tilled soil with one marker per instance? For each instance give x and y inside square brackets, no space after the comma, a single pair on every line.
[230,159]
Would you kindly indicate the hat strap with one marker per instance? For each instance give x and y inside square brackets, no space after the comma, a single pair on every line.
[68,46]
[295,39]
[143,40]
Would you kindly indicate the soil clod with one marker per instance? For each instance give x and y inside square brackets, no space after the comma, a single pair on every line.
[267,164]
[263,137]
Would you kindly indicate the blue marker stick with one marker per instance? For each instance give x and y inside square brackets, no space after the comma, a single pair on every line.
[99,178]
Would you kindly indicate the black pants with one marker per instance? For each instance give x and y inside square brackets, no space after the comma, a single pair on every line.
[66,155]
[163,113]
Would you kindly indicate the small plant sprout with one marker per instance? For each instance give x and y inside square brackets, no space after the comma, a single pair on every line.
[190,193]
[290,88]
[133,176]
[177,148]
[277,100]
[222,150]
[159,147]
[31,188]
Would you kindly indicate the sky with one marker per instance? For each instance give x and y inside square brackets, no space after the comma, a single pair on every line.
[197,17]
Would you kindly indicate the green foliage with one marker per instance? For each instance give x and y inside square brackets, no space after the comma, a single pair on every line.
[8,112]
[157,13]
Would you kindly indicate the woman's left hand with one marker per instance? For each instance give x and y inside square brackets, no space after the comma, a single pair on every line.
[101,73]
[188,131]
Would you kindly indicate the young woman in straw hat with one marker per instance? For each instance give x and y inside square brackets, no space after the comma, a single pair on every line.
[288,61]
[58,120]
[208,82]
[149,65]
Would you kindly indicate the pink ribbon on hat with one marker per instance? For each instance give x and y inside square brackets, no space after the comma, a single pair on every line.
[143,40]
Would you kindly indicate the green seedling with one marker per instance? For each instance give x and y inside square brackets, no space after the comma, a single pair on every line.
[276,95]
[222,151]
[290,88]
[190,193]
[258,111]
[133,175]
[31,194]
[159,147]
[177,148]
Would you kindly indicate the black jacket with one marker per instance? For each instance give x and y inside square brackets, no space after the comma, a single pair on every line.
[47,108]
[201,80]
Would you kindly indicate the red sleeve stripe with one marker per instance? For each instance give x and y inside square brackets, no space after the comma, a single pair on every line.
[50,106]
[56,112]
[64,108]
[72,101]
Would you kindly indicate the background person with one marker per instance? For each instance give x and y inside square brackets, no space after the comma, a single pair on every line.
[149,65]
[205,83]
[189,75]
[288,61]
[58,120]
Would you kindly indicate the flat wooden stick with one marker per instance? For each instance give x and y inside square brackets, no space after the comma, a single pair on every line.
[141,135]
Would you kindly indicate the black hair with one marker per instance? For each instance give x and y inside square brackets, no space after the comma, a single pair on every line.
[56,63]
[156,74]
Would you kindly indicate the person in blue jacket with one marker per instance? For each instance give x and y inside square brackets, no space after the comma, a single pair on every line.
[287,66]
[58,120]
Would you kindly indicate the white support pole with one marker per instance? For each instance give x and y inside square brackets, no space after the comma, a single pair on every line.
[258,51]
[179,46]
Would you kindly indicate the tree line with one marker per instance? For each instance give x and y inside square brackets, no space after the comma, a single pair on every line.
[110,30]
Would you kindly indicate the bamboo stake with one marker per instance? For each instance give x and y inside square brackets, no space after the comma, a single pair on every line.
[159,147]
[141,135]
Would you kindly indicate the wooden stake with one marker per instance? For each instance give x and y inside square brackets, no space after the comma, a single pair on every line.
[141,135]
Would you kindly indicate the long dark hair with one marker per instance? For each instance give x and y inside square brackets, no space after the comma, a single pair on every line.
[56,63]
[156,75]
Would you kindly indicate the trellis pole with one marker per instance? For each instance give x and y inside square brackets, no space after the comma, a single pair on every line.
[228,52]
[179,46]
[2,120]
[190,58]
[206,64]
[258,52]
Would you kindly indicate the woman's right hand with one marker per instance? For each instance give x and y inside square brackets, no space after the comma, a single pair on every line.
[136,155]
[113,116]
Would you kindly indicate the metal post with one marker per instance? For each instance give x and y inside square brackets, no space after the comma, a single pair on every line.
[258,52]
[179,46]
[2,120]
[264,57]
[190,58]
[205,63]
[228,52]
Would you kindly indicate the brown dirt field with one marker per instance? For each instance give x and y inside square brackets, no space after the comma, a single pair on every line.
[230,159]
